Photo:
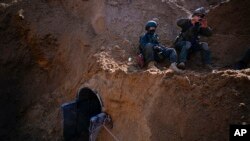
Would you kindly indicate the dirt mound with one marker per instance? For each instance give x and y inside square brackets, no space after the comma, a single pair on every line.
[148,106]
[51,48]
[230,22]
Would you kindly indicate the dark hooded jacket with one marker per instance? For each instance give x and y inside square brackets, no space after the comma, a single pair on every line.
[190,32]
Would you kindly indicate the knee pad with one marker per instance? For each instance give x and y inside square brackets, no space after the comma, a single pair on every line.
[204,46]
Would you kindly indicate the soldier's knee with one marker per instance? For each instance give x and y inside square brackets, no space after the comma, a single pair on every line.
[172,50]
[187,45]
[148,51]
[148,47]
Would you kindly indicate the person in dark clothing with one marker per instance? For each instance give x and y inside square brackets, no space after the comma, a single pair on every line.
[153,51]
[244,61]
[188,40]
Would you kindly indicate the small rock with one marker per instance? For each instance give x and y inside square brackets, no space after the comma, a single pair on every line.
[168,74]
[110,66]
[132,69]
[117,47]
[102,48]
[130,59]
[244,123]
[242,105]
[3,6]
[126,42]
[20,13]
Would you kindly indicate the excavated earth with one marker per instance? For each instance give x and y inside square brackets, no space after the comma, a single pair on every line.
[49,49]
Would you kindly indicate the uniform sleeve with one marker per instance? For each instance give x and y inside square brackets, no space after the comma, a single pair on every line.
[143,41]
[181,22]
[206,32]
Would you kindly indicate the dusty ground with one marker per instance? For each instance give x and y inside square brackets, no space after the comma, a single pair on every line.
[48,49]
[230,23]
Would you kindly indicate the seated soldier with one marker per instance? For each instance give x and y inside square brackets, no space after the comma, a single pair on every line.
[188,40]
[153,51]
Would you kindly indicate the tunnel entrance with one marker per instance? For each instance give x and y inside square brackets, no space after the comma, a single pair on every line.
[77,114]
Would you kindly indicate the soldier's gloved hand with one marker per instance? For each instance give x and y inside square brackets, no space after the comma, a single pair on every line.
[197,24]
[157,48]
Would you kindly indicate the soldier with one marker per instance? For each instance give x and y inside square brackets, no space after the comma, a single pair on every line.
[153,51]
[188,40]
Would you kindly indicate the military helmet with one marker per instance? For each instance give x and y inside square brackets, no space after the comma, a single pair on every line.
[200,11]
[151,24]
